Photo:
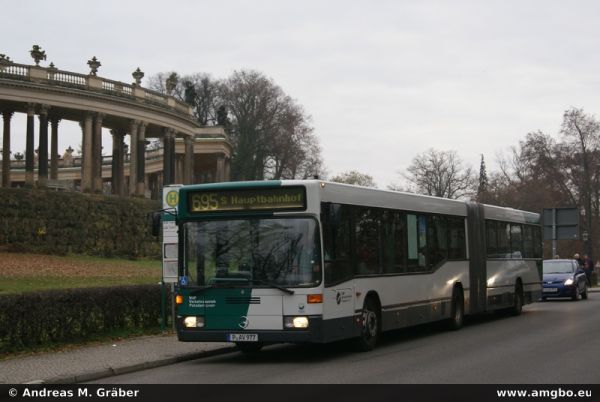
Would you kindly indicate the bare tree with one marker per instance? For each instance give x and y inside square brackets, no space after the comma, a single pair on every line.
[581,133]
[272,134]
[159,83]
[355,177]
[441,174]
[202,92]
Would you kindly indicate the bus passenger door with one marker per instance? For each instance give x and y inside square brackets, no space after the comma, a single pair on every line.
[338,294]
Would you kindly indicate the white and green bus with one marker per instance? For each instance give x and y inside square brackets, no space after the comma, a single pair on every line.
[312,261]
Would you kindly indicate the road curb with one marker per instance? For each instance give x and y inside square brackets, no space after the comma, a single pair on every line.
[113,371]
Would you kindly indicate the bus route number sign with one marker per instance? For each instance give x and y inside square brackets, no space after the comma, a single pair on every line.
[282,198]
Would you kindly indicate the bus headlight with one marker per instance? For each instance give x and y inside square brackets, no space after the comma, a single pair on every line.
[193,322]
[295,322]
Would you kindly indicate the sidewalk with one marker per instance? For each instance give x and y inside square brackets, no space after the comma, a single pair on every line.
[88,363]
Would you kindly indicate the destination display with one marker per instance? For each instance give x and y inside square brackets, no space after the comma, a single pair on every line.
[281,198]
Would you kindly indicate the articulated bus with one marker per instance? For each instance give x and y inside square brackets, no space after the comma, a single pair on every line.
[313,261]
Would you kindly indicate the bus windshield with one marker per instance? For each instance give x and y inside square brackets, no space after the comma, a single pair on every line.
[253,252]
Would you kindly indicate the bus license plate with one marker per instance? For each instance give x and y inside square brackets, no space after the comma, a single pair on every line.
[550,290]
[242,337]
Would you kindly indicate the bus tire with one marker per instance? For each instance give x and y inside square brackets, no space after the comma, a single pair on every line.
[517,307]
[457,316]
[249,347]
[371,326]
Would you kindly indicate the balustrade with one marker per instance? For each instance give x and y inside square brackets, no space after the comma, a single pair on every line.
[56,77]
[14,70]
[67,78]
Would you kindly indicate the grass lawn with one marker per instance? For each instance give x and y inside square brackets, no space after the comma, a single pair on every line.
[31,272]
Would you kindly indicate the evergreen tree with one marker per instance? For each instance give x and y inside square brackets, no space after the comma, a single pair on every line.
[483,182]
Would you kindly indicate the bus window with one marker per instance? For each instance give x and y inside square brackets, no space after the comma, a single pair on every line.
[336,238]
[516,243]
[417,242]
[242,252]
[367,221]
[438,240]
[422,228]
[457,249]
[537,242]
[492,239]
[413,247]
[393,243]
[528,251]
[503,237]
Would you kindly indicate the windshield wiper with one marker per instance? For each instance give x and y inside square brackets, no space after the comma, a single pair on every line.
[272,285]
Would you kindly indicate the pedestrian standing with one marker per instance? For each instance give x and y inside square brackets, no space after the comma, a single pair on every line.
[588,267]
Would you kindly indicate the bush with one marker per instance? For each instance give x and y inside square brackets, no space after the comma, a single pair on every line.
[53,222]
[41,318]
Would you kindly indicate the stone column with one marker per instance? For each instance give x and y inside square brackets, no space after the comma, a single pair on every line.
[172,147]
[227,169]
[220,168]
[179,168]
[29,153]
[43,147]
[87,158]
[117,177]
[159,184]
[54,148]
[133,155]
[141,161]
[188,170]
[97,154]
[168,156]
[6,150]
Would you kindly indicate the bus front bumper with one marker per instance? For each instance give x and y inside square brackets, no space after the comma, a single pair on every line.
[318,331]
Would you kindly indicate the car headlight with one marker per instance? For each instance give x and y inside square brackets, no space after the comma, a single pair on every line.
[193,322]
[569,282]
[295,322]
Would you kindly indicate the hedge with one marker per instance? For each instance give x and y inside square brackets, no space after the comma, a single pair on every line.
[51,222]
[41,318]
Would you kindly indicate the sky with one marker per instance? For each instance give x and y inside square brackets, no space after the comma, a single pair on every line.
[382,80]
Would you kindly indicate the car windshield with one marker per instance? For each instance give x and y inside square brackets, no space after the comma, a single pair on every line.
[558,267]
[253,252]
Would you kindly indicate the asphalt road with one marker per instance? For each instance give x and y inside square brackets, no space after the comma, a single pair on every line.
[556,342]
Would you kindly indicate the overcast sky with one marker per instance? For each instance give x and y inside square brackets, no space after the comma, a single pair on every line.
[382,80]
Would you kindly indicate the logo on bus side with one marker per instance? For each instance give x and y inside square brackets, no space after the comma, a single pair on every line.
[342,297]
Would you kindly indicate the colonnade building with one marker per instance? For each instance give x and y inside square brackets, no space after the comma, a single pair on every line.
[166,144]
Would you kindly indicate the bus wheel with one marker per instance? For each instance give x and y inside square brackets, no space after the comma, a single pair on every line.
[457,317]
[249,347]
[370,326]
[518,302]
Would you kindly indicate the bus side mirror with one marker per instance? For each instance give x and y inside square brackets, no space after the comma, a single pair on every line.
[156,218]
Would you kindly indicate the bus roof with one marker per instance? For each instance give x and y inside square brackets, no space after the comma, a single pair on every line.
[367,196]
